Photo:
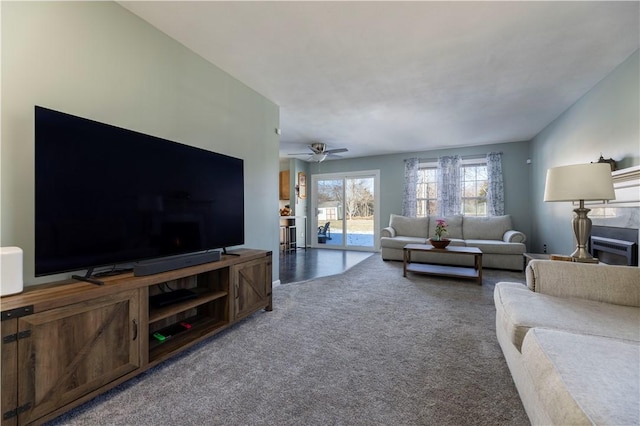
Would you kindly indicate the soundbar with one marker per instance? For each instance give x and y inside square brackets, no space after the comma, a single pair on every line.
[156,266]
[165,299]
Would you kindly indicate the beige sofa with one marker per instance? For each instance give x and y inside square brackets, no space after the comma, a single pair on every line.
[571,338]
[502,247]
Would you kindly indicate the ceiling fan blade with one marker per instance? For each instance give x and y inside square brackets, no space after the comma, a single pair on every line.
[319,152]
[335,151]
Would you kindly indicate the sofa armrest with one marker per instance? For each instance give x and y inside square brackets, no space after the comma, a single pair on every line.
[514,237]
[619,285]
[388,232]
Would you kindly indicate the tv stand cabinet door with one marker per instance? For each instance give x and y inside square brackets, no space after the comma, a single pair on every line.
[73,350]
[9,351]
[252,286]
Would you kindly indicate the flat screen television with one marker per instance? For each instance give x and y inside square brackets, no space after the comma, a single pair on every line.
[105,195]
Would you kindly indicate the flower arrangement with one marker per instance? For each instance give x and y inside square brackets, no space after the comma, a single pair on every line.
[441,229]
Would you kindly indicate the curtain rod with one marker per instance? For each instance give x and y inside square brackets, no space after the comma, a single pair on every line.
[464,157]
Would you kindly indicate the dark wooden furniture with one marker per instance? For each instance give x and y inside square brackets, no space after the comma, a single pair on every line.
[289,233]
[324,233]
[444,270]
[65,343]
[528,257]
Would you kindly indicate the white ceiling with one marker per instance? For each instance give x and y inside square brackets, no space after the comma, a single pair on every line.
[388,77]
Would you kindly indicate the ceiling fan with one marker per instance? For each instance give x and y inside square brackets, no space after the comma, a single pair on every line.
[320,152]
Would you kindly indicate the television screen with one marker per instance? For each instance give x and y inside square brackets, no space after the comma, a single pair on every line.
[105,196]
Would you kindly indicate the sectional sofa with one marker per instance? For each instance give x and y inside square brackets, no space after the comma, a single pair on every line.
[571,339]
[502,246]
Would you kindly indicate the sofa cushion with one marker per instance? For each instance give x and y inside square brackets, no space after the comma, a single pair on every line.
[521,309]
[454,226]
[410,226]
[584,379]
[496,247]
[400,242]
[485,228]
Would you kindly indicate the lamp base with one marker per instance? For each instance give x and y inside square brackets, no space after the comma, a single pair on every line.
[586,260]
[582,230]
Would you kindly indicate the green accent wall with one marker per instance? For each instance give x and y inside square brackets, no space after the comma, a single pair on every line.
[515,172]
[606,120]
[97,60]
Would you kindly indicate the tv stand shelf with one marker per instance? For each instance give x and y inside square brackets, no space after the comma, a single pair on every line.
[176,341]
[77,340]
[167,311]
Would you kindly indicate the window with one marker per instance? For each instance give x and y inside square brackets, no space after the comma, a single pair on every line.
[349,201]
[426,193]
[473,181]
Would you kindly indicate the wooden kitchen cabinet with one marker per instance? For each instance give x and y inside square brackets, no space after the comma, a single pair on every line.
[285,185]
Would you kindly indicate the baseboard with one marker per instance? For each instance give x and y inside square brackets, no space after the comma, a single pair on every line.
[276,283]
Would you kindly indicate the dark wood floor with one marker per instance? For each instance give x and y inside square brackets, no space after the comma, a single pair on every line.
[303,265]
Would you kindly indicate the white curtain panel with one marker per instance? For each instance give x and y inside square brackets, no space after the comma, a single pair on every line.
[409,198]
[449,191]
[495,189]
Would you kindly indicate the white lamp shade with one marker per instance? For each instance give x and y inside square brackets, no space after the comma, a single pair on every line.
[587,182]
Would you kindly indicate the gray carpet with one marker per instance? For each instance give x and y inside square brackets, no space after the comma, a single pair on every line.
[367,347]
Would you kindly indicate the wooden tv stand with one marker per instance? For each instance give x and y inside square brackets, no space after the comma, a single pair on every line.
[65,343]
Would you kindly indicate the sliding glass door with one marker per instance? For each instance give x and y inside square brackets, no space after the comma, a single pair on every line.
[346,210]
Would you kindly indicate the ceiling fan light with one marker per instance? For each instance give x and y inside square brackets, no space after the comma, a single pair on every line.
[318,157]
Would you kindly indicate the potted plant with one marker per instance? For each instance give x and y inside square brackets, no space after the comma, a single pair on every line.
[439,241]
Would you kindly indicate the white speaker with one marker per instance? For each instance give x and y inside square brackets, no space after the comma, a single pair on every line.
[10,270]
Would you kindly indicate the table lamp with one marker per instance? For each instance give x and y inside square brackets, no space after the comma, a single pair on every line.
[580,182]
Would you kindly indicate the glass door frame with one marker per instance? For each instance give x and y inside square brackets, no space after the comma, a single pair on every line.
[375,174]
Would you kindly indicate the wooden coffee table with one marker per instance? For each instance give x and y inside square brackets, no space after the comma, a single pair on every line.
[474,272]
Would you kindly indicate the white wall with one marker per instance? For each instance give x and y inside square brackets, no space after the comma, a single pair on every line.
[604,121]
[99,61]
